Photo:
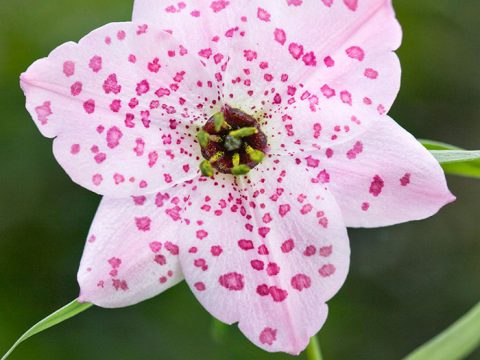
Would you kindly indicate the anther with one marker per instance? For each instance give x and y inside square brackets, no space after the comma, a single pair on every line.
[219,122]
[206,168]
[236,159]
[216,157]
[241,169]
[203,138]
[255,155]
[243,132]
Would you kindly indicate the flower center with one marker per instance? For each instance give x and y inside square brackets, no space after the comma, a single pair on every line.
[232,143]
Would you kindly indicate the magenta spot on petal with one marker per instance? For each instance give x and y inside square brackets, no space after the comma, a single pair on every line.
[143,223]
[327,270]
[76,88]
[216,250]
[68,68]
[201,234]
[301,281]
[97,179]
[219,5]
[371,73]
[89,106]
[351,4]
[155,246]
[280,36]
[263,231]
[263,290]
[232,281]
[160,259]
[284,209]
[356,52]
[43,112]
[113,137]
[295,50]
[278,295]
[287,246]
[257,264]
[325,251]
[75,149]
[268,336]
[95,63]
[376,186]
[405,180]
[245,244]
[263,14]
[200,286]
[273,269]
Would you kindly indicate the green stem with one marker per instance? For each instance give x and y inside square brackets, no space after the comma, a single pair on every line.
[454,343]
[53,319]
[313,351]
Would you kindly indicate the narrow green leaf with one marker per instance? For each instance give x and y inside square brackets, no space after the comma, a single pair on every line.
[455,343]
[453,159]
[455,156]
[66,312]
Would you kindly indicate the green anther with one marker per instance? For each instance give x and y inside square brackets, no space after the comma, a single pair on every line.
[206,168]
[255,155]
[244,132]
[236,159]
[216,157]
[241,169]
[219,122]
[203,138]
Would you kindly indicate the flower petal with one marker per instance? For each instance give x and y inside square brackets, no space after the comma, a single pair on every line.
[382,177]
[121,103]
[271,54]
[268,253]
[131,253]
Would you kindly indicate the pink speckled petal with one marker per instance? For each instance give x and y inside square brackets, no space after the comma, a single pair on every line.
[121,103]
[131,253]
[381,177]
[269,55]
[267,254]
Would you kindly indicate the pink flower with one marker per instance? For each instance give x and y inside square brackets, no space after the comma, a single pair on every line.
[290,97]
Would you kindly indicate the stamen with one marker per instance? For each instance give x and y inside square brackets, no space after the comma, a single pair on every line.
[206,168]
[219,122]
[241,169]
[216,157]
[203,138]
[244,132]
[236,159]
[255,155]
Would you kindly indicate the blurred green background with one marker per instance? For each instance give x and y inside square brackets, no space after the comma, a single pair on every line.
[406,282]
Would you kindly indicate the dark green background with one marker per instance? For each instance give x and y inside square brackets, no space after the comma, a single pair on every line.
[406,282]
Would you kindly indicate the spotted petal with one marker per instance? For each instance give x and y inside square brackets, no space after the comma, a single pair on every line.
[132,253]
[382,177]
[121,103]
[268,55]
[268,257]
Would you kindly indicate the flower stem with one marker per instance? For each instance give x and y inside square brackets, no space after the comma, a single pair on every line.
[313,351]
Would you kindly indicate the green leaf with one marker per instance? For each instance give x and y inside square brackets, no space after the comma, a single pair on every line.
[455,343]
[455,160]
[66,312]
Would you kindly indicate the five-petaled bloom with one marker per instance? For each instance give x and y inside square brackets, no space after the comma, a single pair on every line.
[233,142]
